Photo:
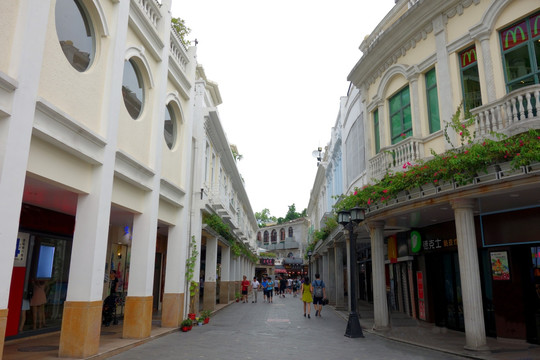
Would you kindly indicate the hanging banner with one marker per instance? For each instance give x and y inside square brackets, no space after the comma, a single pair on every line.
[421,299]
[392,249]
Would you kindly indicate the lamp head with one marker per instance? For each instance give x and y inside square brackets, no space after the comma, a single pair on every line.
[309,253]
[344,217]
[357,214]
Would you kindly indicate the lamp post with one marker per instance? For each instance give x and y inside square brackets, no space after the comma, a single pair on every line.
[309,253]
[348,219]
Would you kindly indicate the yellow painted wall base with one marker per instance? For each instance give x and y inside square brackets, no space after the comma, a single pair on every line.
[224,292]
[81,326]
[209,300]
[3,324]
[172,310]
[137,317]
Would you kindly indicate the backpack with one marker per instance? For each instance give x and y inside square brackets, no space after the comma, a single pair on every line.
[318,291]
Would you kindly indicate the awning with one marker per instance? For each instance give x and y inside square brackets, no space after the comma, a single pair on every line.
[280,269]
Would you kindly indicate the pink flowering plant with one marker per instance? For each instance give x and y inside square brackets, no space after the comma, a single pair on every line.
[460,165]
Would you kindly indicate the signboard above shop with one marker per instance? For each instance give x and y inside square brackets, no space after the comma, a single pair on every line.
[269,262]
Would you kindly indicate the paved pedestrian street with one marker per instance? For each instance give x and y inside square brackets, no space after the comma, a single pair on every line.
[275,331]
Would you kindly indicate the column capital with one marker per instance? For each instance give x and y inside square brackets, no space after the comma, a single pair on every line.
[463,203]
[376,225]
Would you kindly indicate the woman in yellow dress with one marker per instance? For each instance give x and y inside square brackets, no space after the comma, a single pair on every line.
[307,290]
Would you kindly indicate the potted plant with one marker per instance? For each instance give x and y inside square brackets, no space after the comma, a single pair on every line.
[205,315]
[186,325]
[237,296]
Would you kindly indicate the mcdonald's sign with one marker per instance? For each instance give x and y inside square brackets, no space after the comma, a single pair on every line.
[468,57]
[515,35]
[535,24]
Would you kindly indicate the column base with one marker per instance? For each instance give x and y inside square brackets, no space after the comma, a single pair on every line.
[172,310]
[137,317]
[224,292]
[209,300]
[3,324]
[81,327]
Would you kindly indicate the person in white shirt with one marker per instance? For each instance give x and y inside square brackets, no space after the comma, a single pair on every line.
[254,288]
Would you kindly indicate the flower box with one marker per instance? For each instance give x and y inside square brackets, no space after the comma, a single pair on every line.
[533,168]
[415,193]
[491,174]
[402,196]
[507,170]
[429,189]
[445,185]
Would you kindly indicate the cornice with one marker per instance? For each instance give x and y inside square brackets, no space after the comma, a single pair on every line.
[413,27]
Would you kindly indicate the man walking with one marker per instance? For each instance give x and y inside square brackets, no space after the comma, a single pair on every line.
[255,288]
[319,293]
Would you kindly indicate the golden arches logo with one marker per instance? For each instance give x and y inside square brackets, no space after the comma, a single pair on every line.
[468,57]
[514,34]
[535,31]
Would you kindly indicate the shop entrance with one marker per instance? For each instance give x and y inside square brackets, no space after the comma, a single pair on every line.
[447,285]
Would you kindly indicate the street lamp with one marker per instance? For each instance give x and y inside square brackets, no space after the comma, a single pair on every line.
[309,253]
[348,219]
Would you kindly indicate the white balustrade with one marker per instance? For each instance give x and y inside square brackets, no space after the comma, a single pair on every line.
[514,108]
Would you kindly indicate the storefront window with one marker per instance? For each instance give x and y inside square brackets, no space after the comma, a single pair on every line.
[45,285]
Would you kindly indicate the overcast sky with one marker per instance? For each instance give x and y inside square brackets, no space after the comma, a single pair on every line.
[281,68]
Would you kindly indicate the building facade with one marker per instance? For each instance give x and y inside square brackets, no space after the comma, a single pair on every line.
[447,253]
[102,132]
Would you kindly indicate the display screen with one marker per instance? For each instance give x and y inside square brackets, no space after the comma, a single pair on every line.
[45,262]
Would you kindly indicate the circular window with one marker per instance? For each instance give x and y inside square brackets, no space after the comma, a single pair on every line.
[75,33]
[132,89]
[169,129]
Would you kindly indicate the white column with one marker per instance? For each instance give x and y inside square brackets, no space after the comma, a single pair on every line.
[415,102]
[380,305]
[469,270]
[340,297]
[225,263]
[211,259]
[325,271]
[331,284]
[489,79]
[16,130]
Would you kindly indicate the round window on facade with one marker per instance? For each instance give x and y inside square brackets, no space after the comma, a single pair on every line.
[132,89]
[75,33]
[169,129]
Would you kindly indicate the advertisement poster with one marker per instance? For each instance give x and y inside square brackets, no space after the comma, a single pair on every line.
[499,265]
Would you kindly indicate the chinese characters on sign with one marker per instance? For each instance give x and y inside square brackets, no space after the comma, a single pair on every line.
[267,262]
[420,288]
[438,244]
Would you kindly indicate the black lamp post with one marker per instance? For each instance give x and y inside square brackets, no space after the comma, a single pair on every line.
[348,219]
[309,253]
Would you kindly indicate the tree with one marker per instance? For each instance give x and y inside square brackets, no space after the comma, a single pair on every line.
[264,217]
[236,155]
[179,26]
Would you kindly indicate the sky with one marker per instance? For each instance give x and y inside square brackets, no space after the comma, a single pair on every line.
[281,68]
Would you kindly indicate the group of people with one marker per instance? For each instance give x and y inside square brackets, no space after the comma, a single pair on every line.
[314,292]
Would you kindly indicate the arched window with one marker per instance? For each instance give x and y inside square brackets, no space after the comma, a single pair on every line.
[170,127]
[290,232]
[266,237]
[274,236]
[133,88]
[75,33]
[282,235]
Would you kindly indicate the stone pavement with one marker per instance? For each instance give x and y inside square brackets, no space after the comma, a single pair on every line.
[411,331]
[275,331]
[279,330]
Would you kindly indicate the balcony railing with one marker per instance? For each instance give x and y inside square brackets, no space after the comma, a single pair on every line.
[150,9]
[393,157]
[508,114]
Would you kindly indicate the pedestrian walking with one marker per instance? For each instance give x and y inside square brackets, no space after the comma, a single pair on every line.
[255,288]
[270,291]
[282,286]
[319,293]
[264,285]
[307,289]
[295,287]
[245,287]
